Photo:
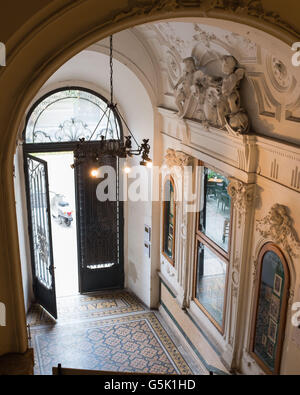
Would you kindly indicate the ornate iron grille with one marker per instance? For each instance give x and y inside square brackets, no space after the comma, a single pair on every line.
[99,229]
[39,222]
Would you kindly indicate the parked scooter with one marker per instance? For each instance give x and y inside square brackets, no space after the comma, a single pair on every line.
[61,210]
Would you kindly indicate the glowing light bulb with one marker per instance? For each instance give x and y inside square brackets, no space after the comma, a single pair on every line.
[150,165]
[126,169]
[94,173]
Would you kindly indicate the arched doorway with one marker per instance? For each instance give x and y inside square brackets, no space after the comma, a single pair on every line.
[64,213]
[22,83]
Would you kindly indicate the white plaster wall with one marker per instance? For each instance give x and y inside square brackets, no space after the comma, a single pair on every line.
[134,52]
[21,210]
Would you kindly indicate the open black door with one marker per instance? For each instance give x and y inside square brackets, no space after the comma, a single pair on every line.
[100,231]
[36,173]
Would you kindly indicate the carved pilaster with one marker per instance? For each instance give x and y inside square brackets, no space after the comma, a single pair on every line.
[175,163]
[242,196]
[277,226]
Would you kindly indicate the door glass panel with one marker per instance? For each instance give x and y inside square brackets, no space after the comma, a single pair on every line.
[40,233]
[269,309]
[215,208]
[40,225]
[211,282]
[63,220]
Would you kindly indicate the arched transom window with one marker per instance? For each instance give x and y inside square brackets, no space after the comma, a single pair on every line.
[70,114]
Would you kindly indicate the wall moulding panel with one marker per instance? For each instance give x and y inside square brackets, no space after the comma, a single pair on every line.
[239,152]
[251,154]
[279,162]
[176,275]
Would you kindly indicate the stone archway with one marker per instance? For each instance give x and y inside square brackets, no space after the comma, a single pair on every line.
[34,53]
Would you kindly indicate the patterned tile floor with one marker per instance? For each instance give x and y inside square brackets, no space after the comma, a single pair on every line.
[82,307]
[107,331]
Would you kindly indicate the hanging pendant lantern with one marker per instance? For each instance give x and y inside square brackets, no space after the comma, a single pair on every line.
[120,147]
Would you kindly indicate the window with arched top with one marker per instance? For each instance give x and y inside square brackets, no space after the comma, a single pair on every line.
[169,220]
[70,114]
[270,309]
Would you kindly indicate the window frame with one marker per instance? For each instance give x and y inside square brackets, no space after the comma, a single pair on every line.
[65,145]
[170,260]
[201,237]
[270,246]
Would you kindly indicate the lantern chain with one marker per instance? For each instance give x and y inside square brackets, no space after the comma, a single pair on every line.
[111,71]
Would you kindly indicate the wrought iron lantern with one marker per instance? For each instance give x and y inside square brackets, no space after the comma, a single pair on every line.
[121,146]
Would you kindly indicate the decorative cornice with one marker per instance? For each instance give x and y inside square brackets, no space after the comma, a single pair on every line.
[176,158]
[253,8]
[237,8]
[277,225]
[242,196]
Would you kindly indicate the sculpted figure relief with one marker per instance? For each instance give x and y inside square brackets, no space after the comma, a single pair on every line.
[184,84]
[218,98]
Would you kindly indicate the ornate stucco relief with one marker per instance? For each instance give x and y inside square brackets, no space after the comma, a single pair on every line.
[242,196]
[176,158]
[279,75]
[235,276]
[252,8]
[277,226]
[213,100]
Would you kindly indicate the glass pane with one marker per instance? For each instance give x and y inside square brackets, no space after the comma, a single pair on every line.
[211,281]
[215,208]
[69,115]
[269,309]
[169,218]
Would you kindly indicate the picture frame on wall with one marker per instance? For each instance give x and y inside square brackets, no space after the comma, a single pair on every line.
[272,330]
[275,308]
[277,285]
[270,349]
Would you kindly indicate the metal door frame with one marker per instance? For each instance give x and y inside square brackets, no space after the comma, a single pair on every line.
[30,230]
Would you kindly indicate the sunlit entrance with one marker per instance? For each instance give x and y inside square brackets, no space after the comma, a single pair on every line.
[76,240]
[63,220]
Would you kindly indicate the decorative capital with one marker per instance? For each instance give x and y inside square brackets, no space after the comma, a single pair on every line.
[241,195]
[278,226]
[176,158]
